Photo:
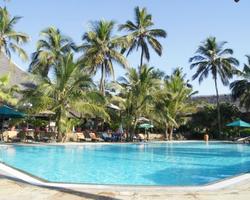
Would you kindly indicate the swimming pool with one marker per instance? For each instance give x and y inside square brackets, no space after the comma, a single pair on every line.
[168,164]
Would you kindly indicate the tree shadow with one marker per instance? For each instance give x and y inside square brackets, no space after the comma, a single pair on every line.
[199,175]
[63,190]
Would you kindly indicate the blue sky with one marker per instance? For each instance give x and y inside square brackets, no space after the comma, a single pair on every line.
[187,22]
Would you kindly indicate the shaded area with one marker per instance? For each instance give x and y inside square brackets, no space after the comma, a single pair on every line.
[63,190]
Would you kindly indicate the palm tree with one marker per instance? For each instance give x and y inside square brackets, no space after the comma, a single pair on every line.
[171,102]
[10,40]
[241,88]
[101,49]
[141,34]
[50,48]
[70,91]
[212,57]
[134,94]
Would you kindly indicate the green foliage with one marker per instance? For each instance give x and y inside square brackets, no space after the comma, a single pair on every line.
[241,88]
[206,118]
[69,91]
[10,40]
[212,57]
[7,92]
[50,48]
[141,34]
[171,102]
[134,94]
[245,132]
[101,49]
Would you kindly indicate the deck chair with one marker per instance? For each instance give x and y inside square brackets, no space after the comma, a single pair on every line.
[80,137]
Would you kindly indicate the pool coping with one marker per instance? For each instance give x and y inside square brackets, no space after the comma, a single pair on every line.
[34,180]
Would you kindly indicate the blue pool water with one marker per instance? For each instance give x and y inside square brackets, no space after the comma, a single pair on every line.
[176,164]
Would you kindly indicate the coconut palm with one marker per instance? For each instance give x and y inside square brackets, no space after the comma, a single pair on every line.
[101,49]
[171,102]
[241,88]
[141,34]
[70,91]
[10,40]
[134,94]
[50,48]
[212,57]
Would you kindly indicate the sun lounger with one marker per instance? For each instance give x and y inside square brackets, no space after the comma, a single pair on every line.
[29,138]
[80,137]
[94,138]
[244,140]
[140,137]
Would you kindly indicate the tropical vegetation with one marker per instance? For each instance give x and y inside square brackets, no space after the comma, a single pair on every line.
[171,102]
[69,92]
[241,88]
[65,79]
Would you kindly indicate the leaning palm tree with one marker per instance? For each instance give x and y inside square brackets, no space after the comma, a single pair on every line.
[68,92]
[212,57]
[241,88]
[141,34]
[50,48]
[10,40]
[101,49]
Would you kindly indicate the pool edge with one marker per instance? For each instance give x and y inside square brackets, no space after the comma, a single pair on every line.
[34,180]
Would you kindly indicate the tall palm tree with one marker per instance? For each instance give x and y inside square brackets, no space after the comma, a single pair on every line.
[69,91]
[241,88]
[10,40]
[141,34]
[50,48]
[101,48]
[212,57]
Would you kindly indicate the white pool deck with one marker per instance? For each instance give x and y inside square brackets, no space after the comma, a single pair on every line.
[239,185]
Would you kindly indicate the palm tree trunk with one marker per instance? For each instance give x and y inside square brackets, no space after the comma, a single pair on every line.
[58,125]
[142,54]
[218,105]
[102,81]
[134,128]
[166,131]
[171,133]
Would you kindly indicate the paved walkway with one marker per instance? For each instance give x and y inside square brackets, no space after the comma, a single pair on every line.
[12,189]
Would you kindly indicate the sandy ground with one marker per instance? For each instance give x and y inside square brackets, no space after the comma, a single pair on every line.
[13,189]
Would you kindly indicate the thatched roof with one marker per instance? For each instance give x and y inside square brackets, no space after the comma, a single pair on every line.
[17,76]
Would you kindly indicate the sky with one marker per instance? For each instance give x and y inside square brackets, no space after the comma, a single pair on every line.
[187,22]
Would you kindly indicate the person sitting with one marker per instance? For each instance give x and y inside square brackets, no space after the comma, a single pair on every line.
[94,138]
[11,135]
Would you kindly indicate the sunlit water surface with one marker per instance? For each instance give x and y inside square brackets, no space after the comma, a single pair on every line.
[172,164]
